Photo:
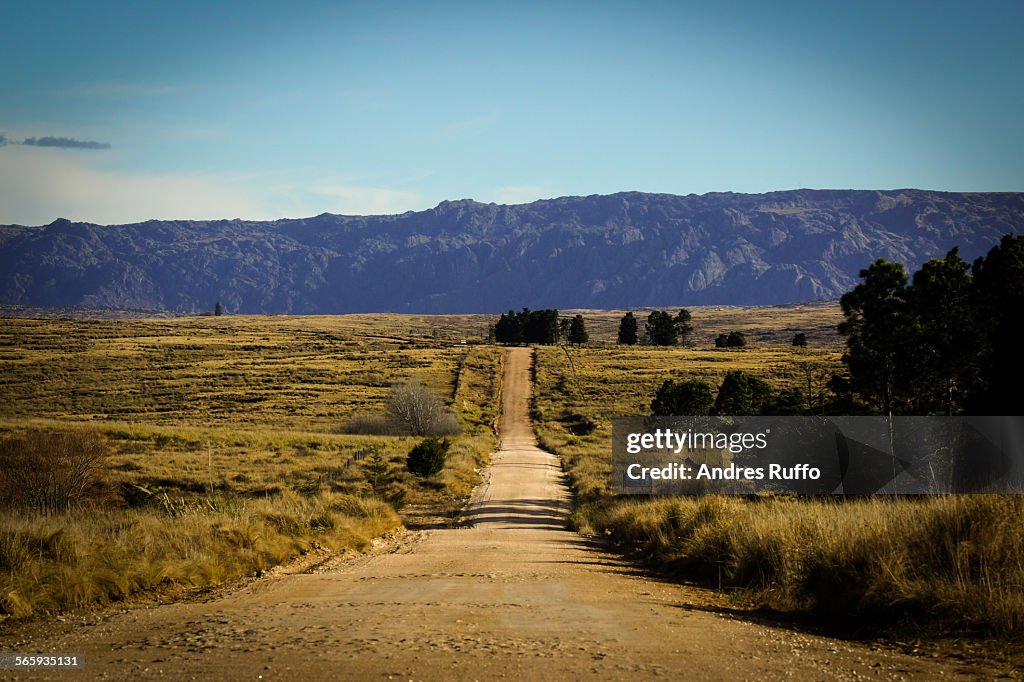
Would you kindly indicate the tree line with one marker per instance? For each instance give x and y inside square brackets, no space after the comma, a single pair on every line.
[940,342]
[943,342]
[661,329]
[539,326]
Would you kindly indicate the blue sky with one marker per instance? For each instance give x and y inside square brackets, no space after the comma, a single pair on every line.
[266,110]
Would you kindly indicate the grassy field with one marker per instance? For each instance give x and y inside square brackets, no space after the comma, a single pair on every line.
[579,390]
[226,439]
[939,567]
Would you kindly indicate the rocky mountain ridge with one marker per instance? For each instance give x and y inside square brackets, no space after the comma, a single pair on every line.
[623,250]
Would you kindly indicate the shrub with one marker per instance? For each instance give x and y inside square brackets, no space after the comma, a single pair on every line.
[372,425]
[427,457]
[419,411]
[682,398]
[51,471]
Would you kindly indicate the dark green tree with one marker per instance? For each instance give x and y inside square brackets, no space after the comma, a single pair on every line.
[743,394]
[683,326]
[428,456]
[578,331]
[663,329]
[998,299]
[509,328]
[684,398]
[800,340]
[731,340]
[945,350]
[628,330]
[527,326]
[382,478]
[540,326]
[878,345]
[787,402]
[217,310]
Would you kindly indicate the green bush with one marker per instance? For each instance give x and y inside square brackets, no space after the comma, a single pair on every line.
[427,457]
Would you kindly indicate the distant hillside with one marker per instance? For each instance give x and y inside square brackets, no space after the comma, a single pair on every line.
[618,251]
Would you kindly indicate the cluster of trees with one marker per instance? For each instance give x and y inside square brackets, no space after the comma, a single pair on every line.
[662,328]
[539,326]
[941,342]
[731,340]
[739,394]
[944,343]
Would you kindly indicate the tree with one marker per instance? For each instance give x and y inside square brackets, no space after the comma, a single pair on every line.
[800,340]
[731,340]
[998,298]
[878,353]
[787,402]
[217,309]
[743,394]
[578,331]
[660,330]
[945,347]
[564,326]
[382,478]
[685,398]
[527,326]
[628,330]
[420,412]
[736,340]
[427,457]
[663,329]
[683,326]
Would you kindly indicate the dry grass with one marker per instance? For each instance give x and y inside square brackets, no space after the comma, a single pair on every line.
[944,567]
[573,410]
[226,455]
[55,563]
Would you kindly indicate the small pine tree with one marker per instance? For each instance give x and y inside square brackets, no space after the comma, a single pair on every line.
[578,331]
[628,330]
[383,478]
[217,310]
[800,339]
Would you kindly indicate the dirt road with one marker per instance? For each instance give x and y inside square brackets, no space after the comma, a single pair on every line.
[513,594]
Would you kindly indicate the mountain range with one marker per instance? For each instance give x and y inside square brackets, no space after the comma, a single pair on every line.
[623,250]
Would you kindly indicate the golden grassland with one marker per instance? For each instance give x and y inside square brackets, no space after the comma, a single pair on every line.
[579,390]
[938,567]
[774,325]
[227,455]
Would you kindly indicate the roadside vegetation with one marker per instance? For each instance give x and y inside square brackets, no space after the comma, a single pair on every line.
[944,567]
[172,453]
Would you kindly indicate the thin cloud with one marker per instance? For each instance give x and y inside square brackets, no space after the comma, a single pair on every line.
[37,188]
[64,143]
